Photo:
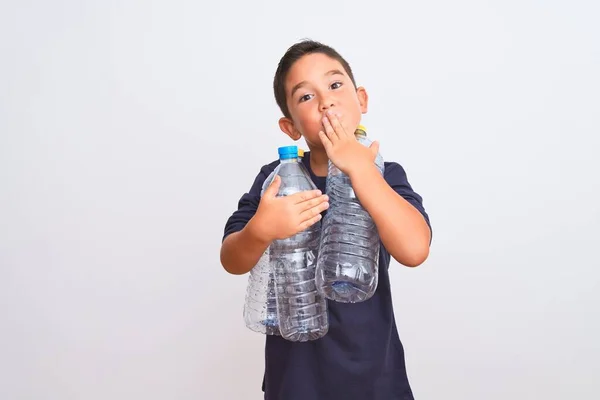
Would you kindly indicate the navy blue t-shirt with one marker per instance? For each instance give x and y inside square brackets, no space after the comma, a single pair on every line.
[361,357]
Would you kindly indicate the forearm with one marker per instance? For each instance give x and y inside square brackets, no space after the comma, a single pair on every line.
[402,229]
[241,250]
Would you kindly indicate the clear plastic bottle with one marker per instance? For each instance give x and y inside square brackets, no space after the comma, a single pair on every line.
[302,310]
[348,262]
[260,307]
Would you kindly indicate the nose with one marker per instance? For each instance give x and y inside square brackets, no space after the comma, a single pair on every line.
[326,103]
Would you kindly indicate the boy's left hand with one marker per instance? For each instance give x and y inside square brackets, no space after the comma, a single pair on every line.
[342,148]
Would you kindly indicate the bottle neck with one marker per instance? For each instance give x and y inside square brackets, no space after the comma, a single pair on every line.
[288,160]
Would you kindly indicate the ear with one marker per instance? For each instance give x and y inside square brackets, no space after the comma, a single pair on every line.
[287,126]
[363,99]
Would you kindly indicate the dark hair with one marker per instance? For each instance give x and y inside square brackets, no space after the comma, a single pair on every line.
[293,54]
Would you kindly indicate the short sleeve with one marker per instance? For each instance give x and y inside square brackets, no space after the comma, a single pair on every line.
[248,203]
[396,177]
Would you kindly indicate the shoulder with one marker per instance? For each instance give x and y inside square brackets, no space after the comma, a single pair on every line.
[263,174]
[395,176]
[394,172]
[268,168]
[248,203]
[392,166]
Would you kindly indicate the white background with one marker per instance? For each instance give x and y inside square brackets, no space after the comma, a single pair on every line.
[129,130]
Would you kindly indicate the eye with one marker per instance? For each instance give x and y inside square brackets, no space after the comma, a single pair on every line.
[304,98]
[336,85]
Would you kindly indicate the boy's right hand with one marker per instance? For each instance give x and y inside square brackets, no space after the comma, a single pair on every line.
[283,217]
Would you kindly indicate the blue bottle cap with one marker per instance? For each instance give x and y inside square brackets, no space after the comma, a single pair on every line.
[287,152]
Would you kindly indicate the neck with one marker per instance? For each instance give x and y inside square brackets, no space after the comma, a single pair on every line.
[319,162]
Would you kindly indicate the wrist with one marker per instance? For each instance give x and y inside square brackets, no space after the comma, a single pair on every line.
[255,230]
[363,171]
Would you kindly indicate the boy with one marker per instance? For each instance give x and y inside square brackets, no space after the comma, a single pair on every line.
[361,357]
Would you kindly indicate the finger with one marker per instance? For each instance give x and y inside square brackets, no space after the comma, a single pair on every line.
[331,133]
[374,148]
[314,211]
[326,141]
[303,196]
[310,222]
[337,125]
[308,204]
[273,189]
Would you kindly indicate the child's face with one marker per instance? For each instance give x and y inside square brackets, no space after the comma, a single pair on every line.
[315,84]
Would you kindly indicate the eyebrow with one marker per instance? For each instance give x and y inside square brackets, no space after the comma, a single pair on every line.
[299,85]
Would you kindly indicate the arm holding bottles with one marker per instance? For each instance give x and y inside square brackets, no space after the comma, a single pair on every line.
[275,218]
[402,229]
